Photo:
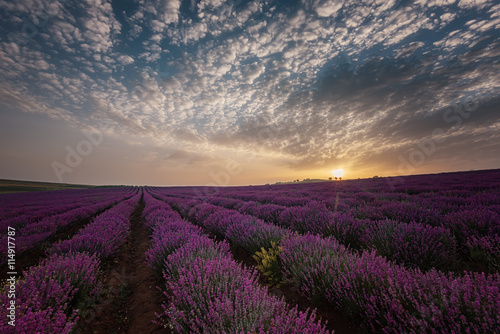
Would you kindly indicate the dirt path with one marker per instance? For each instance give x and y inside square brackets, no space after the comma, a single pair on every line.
[132,298]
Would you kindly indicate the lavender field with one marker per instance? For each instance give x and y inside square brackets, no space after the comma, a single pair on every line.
[373,255]
[249,166]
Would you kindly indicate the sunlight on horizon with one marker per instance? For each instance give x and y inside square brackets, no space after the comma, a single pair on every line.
[338,172]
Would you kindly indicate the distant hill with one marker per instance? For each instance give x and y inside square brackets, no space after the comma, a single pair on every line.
[303,181]
[16,186]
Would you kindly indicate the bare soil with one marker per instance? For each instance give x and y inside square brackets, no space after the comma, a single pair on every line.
[132,297]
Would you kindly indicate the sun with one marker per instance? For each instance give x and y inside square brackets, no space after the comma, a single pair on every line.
[338,172]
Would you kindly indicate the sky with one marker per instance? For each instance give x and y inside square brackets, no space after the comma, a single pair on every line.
[212,92]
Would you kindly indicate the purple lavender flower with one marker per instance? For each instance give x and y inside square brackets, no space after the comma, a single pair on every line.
[414,245]
[48,295]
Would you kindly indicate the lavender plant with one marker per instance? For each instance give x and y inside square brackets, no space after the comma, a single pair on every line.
[347,230]
[305,262]
[219,296]
[104,235]
[197,248]
[48,295]
[486,250]
[211,293]
[311,218]
[414,245]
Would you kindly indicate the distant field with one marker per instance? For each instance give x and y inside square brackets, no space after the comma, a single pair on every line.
[14,186]
[414,254]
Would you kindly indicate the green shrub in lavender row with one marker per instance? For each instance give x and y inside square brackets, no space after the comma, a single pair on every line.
[211,293]
[269,264]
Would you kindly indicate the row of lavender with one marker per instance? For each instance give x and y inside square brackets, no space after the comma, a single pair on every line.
[445,192]
[412,244]
[439,226]
[50,296]
[36,205]
[459,201]
[31,232]
[383,296]
[31,210]
[209,291]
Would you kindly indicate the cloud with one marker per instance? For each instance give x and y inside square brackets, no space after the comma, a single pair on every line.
[125,60]
[313,84]
[169,12]
[467,4]
[329,8]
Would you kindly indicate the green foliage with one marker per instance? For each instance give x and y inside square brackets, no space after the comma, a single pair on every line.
[269,264]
